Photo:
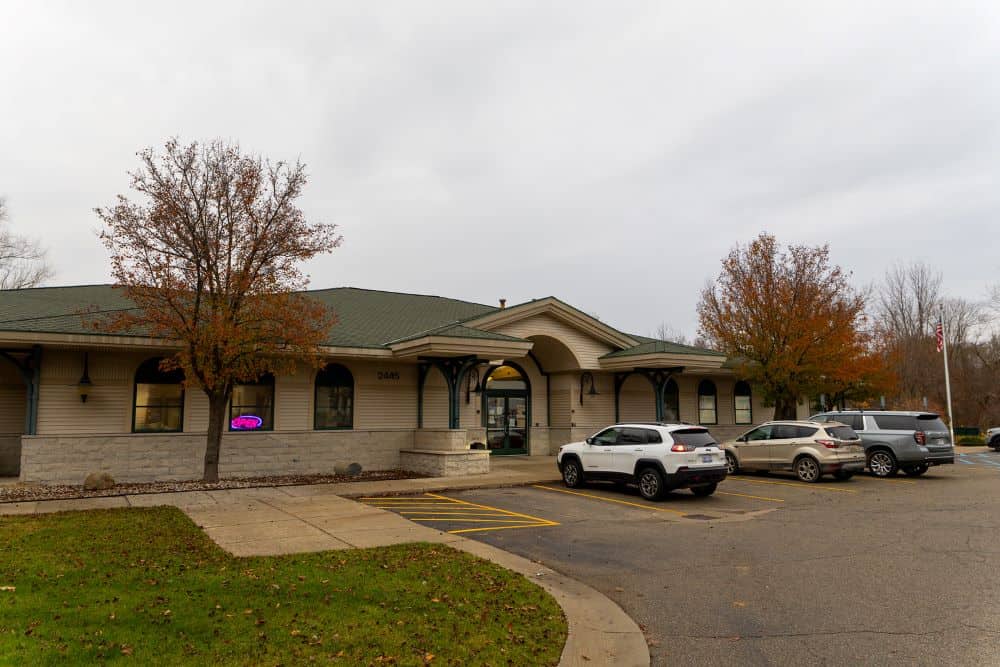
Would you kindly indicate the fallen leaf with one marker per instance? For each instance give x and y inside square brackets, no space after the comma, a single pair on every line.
[8,589]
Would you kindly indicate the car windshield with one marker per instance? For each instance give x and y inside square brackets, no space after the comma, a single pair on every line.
[693,437]
[842,432]
[931,423]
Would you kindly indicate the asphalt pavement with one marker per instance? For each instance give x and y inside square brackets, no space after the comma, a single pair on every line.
[771,570]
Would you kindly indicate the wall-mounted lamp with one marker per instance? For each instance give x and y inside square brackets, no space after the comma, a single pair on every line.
[472,384]
[587,377]
[84,385]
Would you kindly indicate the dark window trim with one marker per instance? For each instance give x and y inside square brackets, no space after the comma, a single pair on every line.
[268,382]
[158,378]
[317,385]
[749,394]
[715,401]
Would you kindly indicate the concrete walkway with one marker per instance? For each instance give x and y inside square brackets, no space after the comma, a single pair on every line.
[320,517]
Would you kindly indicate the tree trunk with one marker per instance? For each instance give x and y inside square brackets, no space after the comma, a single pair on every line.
[216,427]
[785,407]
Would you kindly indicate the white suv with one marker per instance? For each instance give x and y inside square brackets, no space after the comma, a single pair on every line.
[656,457]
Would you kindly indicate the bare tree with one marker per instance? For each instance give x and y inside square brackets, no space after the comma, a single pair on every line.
[22,260]
[908,298]
[666,332]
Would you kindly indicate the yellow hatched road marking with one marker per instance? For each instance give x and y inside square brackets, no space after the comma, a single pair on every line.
[497,509]
[479,530]
[460,520]
[424,509]
[476,513]
[798,485]
[611,500]
[747,495]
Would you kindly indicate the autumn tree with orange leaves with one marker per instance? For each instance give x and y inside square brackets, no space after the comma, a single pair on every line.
[209,251]
[796,325]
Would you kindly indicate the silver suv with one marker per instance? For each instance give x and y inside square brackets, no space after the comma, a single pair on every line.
[894,441]
[655,457]
[993,438]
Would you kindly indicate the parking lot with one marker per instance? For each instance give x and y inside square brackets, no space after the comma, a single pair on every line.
[770,570]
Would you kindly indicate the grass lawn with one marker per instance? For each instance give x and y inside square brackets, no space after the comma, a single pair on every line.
[147,586]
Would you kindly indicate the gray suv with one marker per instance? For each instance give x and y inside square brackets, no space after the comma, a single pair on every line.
[894,441]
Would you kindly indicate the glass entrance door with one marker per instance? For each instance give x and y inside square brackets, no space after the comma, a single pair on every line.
[506,424]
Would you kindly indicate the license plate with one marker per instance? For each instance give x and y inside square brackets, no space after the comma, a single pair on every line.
[706,458]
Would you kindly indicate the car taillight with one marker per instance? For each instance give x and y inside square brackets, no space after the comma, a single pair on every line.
[829,444]
[681,447]
[920,437]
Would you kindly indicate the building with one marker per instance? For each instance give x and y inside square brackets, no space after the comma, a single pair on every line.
[409,381]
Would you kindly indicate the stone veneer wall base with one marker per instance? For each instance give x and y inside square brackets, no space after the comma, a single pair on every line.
[180,456]
[445,463]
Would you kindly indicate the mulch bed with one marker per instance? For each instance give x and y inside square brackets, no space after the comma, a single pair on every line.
[29,492]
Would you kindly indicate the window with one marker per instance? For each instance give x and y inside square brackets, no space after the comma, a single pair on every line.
[653,437]
[762,433]
[895,422]
[854,421]
[693,437]
[783,432]
[742,409]
[707,413]
[671,402]
[251,407]
[842,433]
[632,436]
[334,406]
[607,437]
[158,401]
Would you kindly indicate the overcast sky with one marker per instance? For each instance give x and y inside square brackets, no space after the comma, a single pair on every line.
[607,153]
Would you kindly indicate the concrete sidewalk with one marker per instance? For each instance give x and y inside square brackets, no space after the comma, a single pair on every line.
[294,519]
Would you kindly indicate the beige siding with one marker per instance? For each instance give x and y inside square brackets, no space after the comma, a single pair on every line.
[636,400]
[195,410]
[108,408]
[586,349]
[435,400]
[385,395]
[561,396]
[13,403]
[595,411]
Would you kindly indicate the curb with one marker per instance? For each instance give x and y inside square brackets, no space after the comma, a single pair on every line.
[598,631]
[440,488]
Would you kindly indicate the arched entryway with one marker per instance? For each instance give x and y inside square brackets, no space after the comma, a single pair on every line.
[507,410]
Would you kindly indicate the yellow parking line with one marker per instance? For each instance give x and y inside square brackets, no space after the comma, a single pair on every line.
[401,499]
[612,500]
[460,520]
[798,485]
[453,513]
[497,509]
[477,530]
[746,495]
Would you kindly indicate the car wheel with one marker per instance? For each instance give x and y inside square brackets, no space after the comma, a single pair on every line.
[651,485]
[882,463]
[843,475]
[916,471]
[995,444]
[572,474]
[707,490]
[807,469]
[732,467]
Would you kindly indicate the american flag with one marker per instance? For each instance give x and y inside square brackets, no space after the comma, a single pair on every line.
[939,334]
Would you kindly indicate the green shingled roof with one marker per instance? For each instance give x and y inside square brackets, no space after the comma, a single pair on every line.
[460,331]
[365,318]
[653,346]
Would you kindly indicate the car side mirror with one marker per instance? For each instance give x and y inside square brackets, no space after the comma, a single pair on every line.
[742,438]
[590,441]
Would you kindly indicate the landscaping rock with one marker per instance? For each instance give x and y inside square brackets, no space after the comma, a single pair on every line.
[354,470]
[98,481]
[340,468]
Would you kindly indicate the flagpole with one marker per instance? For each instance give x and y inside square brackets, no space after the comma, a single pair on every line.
[947,379]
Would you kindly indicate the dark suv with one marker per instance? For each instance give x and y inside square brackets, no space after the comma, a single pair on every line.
[894,441]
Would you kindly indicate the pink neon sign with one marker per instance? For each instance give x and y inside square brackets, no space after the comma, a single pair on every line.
[246,423]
